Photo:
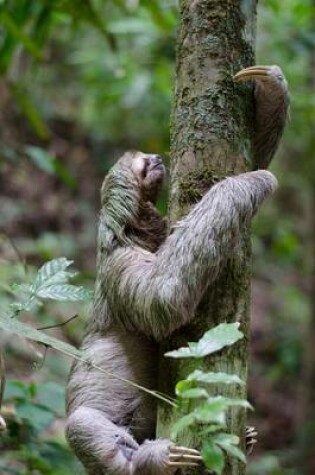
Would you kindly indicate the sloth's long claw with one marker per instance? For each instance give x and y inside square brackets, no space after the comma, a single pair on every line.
[182,464]
[183,457]
[185,450]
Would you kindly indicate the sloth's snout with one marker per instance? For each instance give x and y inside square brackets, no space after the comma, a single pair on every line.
[156,161]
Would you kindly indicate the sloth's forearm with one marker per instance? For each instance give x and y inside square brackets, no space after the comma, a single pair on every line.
[158,293]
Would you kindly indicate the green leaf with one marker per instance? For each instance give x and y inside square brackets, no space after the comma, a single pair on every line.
[16,31]
[51,283]
[26,305]
[210,412]
[25,331]
[50,164]
[228,443]
[39,417]
[64,293]
[54,272]
[12,325]
[194,393]
[15,390]
[52,396]
[29,110]
[213,410]
[181,424]
[225,334]
[183,385]
[213,457]
[214,378]
[42,159]
[183,352]
[226,438]
[229,402]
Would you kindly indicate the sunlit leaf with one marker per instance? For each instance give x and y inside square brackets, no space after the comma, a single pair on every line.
[194,393]
[213,457]
[12,325]
[54,271]
[225,334]
[63,293]
[42,159]
[228,442]
[214,378]
[182,424]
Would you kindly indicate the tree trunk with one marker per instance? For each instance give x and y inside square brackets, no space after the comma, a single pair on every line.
[211,131]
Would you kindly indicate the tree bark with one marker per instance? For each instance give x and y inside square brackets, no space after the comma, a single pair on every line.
[210,139]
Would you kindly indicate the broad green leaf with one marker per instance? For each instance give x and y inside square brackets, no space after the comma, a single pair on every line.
[194,393]
[184,352]
[42,159]
[25,331]
[213,340]
[183,385]
[226,438]
[52,396]
[50,164]
[12,325]
[39,417]
[26,305]
[29,110]
[53,272]
[15,390]
[182,424]
[211,412]
[51,283]
[16,31]
[228,443]
[214,378]
[213,457]
[228,402]
[225,334]
[64,293]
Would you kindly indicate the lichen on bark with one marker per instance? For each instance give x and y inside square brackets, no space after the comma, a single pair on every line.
[210,139]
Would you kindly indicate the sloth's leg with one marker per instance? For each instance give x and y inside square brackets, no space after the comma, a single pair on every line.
[104,447]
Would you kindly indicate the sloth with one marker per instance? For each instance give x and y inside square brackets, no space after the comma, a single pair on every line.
[149,284]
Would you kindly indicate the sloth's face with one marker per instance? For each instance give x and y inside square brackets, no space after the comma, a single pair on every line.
[150,171]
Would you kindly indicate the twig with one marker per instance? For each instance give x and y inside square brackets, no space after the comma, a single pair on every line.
[58,325]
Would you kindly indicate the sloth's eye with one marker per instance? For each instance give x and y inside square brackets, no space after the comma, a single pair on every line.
[144,170]
[139,166]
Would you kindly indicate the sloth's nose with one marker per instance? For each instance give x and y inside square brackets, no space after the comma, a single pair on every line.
[156,159]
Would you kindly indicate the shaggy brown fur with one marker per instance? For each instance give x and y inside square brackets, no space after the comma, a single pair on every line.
[147,286]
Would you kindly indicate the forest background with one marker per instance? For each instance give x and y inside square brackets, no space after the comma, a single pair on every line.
[81,84]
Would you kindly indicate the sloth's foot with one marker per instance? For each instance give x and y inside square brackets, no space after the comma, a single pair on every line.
[250,439]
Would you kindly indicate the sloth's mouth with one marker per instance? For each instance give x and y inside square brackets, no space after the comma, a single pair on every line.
[158,166]
[155,162]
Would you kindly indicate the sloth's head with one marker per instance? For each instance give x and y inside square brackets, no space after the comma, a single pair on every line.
[128,196]
[149,171]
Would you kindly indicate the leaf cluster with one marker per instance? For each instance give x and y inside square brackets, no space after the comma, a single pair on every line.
[205,416]
[29,410]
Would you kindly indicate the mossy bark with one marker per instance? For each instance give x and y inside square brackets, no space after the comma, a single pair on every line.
[211,138]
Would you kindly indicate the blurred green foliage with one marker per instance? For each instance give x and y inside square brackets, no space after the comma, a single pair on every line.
[78,85]
[26,446]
